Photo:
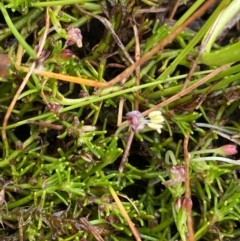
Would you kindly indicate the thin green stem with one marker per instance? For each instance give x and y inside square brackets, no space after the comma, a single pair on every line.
[216,158]
[10,24]
[86,5]
[30,17]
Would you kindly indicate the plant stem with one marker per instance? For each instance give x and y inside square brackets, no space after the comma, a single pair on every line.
[216,158]
[10,24]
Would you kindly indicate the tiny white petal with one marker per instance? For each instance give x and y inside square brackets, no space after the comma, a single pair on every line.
[155,113]
[156,117]
[157,120]
[79,43]
[155,126]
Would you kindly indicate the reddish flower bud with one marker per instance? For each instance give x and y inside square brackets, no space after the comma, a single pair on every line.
[227,150]
[184,203]
[66,54]
[187,203]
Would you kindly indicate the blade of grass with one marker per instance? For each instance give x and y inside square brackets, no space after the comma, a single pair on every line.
[123,211]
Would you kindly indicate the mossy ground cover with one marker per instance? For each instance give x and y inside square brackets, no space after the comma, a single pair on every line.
[120,120]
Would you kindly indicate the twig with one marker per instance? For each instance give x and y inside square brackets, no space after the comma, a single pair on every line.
[173,9]
[137,57]
[108,25]
[150,10]
[202,48]
[187,90]
[91,229]
[136,103]
[120,111]
[187,200]
[46,125]
[228,137]
[126,151]
[159,46]
[124,213]
[20,228]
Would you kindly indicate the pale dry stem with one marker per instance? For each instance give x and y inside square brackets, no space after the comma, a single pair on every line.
[174,9]
[136,103]
[91,229]
[188,201]
[125,214]
[200,52]
[108,25]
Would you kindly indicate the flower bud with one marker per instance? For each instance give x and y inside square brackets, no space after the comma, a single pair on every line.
[66,54]
[187,203]
[184,203]
[227,150]
[178,204]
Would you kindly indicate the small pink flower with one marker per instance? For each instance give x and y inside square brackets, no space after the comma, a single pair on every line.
[227,150]
[137,121]
[178,176]
[74,37]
